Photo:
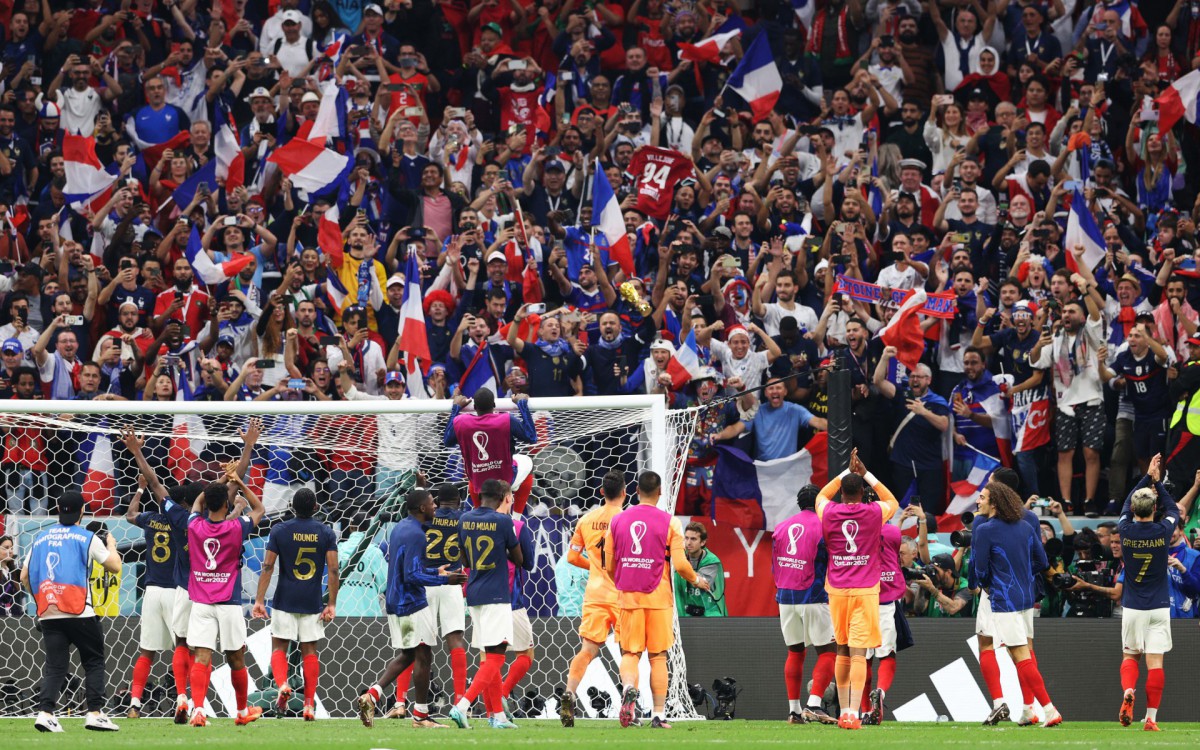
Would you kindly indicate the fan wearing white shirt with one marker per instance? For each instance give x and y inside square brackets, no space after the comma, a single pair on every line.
[785,285]
[81,103]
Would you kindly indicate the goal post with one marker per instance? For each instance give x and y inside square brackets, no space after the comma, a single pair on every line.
[360,457]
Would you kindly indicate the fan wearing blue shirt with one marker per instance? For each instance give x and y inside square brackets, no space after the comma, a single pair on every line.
[411,621]
[776,426]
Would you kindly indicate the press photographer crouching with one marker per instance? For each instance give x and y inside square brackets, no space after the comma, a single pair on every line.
[1096,571]
[943,592]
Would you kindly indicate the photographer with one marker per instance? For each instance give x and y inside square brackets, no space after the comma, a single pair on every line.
[947,592]
[692,601]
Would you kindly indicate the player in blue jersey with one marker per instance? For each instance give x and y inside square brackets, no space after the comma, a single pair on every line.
[447,603]
[159,597]
[305,549]
[489,542]
[1140,369]
[1007,554]
[522,642]
[1146,598]
[410,618]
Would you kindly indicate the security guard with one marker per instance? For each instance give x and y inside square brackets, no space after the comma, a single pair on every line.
[1183,443]
[56,572]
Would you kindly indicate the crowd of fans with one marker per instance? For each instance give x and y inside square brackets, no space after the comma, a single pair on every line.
[914,144]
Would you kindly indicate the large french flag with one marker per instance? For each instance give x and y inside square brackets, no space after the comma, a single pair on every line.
[205,269]
[757,78]
[231,165]
[314,169]
[88,184]
[151,153]
[606,216]
[412,317]
[1082,230]
[480,373]
[708,49]
[759,494]
[99,485]
[966,491]
[1179,101]
[182,196]
[805,10]
[904,332]
[329,235]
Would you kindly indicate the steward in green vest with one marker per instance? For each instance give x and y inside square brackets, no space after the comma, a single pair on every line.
[689,600]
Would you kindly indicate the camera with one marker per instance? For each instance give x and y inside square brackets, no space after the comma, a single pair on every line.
[842,259]
[693,610]
[726,691]
[1085,602]
[961,539]
[909,395]
[600,701]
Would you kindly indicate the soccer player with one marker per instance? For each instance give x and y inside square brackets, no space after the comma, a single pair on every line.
[410,618]
[215,588]
[449,607]
[600,596]
[305,548]
[1146,601]
[486,437]
[984,630]
[1006,555]
[489,539]
[638,544]
[852,532]
[891,591]
[799,561]
[159,598]
[522,642]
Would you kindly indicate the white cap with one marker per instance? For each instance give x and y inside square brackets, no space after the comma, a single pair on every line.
[396,278]
[822,265]
[310,96]
[258,93]
[497,255]
[373,8]
[664,345]
[292,16]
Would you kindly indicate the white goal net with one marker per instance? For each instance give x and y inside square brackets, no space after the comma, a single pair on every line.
[360,457]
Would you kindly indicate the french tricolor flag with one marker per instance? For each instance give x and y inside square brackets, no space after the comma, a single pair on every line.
[1179,101]
[329,234]
[412,316]
[688,353]
[606,216]
[99,484]
[480,373]
[708,49]
[757,78]
[231,165]
[88,184]
[903,331]
[805,10]
[1083,231]
[314,169]
[205,269]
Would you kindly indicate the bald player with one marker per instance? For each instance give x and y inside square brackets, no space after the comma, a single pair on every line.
[853,532]
[636,548]
[600,597]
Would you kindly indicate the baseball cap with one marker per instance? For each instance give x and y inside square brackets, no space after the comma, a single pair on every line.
[258,93]
[291,16]
[310,96]
[943,561]
[555,164]
[396,278]
[33,269]
[394,376]
[722,231]
[70,503]
[707,373]
[225,338]
[12,346]
[493,26]
[912,164]
[373,8]
[663,345]
[1193,341]
[976,93]
[497,255]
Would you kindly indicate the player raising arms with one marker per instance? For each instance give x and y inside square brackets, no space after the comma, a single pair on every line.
[487,437]
[1007,554]
[522,642]
[1146,598]
[600,596]
[305,549]
[638,544]
[489,539]
[410,618]
[799,561]
[891,592]
[852,530]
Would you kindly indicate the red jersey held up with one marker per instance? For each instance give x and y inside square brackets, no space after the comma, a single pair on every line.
[656,172]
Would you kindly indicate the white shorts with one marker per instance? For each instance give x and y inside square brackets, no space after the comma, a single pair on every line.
[1012,629]
[887,630]
[298,628]
[808,624]
[181,612]
[416,629]
[1146,631]
[158,610]
[449,608]
[491,625]
[522,639]
[985,622]
[211,623]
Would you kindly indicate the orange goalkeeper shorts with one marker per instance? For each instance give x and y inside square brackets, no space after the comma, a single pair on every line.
[598,619]
[855,619]
[646,630]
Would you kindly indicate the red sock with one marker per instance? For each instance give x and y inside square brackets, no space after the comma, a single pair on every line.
[279,667]
[141,672]
[1155,678]
[458,666]
[887,672]
[181,666]
[1033,678]
[518,669]
[312,671]
[823,673]
[241,687]
[793,674]
[494,688]
[1129,674]
[402,683]
[199,683]
[490,668]
[865,703]
[991,675]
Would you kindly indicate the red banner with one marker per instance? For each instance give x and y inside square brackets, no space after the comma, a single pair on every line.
[746,556]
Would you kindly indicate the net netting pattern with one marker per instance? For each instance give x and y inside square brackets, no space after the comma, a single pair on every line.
[360,459]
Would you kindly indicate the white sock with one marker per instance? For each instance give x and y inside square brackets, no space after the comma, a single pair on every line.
[853,713]
[462,705]
[500,716]
[1130,691]
[135,702]
[1048,708]
[243,712]
[1151,714]
[660,715]
[814,701]
[421,708]
[1028,708]
[997,702]
[795,706]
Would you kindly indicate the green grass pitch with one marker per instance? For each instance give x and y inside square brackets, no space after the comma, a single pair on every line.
[291,734]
